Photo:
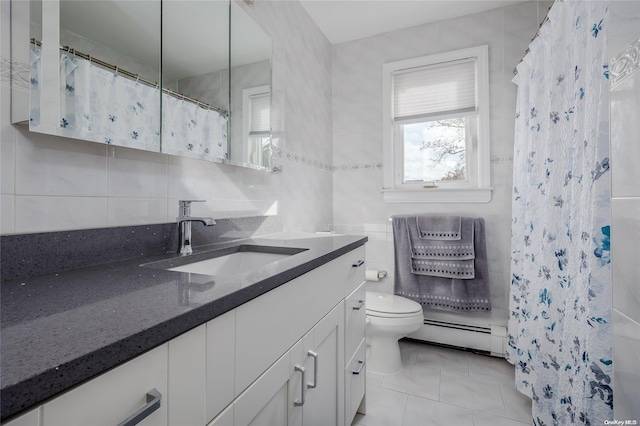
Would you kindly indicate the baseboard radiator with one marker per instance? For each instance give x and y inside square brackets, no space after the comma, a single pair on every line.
[490,339]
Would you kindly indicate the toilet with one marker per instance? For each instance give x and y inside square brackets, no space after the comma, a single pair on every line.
[389,318]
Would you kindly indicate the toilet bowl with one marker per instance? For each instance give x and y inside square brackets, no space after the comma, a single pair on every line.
[389,318]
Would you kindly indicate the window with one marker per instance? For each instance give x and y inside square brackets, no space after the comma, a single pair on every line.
[436,117]
[256,109]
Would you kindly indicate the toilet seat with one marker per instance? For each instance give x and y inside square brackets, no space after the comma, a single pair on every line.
[390,306]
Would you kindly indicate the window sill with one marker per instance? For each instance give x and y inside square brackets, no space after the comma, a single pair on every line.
[438,195]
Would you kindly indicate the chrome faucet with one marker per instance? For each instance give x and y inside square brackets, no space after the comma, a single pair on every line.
[184,224]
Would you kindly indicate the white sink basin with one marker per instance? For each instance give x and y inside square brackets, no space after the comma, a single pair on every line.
[231,264]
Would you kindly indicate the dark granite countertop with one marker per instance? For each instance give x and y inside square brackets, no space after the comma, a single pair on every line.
[61,329]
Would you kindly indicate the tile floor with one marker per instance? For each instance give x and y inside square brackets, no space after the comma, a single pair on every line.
[442,386]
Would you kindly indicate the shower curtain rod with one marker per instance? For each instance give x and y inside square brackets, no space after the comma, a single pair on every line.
[544,21]
[136,77]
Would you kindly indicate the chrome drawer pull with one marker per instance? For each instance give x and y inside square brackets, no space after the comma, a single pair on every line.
[359,305]
[315,369]
[300,402]
[153,403]
[358,264]
[359,370]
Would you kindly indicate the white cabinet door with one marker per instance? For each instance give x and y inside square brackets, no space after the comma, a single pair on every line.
[186,398]
[324,404]
[221,351]
[298,382]
[266,401]
[225,418]
[305,386]
[114,396]
[32,418]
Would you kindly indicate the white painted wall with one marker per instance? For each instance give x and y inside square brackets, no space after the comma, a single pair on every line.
[50,183]
[357,130]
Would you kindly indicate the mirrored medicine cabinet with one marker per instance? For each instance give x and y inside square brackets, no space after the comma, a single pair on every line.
[182,77]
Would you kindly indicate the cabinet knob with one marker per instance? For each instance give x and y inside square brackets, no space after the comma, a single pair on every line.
[153,403]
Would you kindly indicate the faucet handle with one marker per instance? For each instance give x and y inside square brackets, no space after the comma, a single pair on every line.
[185,206]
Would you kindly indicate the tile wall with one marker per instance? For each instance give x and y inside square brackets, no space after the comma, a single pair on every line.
[357,129]
[624,49]
[51,183]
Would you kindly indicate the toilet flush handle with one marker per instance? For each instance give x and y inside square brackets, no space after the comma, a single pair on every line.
[358,264]
[358,305]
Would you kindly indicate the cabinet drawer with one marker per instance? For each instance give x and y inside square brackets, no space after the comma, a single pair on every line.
[354,381]
[354,268]
[114,396]
[354,320]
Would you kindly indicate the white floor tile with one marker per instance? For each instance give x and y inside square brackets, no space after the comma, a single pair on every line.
[465,391]
[384,407]
[497,369]
[518,405]
[485,419]
[425,412]
[416,380]
[445,359]
[374,379]
[443,386]
[409,351]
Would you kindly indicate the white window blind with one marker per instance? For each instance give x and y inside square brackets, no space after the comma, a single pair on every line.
[438,91]
[260,124]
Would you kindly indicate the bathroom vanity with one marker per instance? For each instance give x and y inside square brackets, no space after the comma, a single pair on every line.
[280,343]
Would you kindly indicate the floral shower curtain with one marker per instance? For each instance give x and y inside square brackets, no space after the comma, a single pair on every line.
[560,331]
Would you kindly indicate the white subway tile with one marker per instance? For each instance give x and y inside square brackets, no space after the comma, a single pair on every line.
[625,128]
[626,352]
[134,173]
[6,213]
[46,213]
[188,179]
[48,165]
[137,211]
[625,246]
[623,28]
[7,144]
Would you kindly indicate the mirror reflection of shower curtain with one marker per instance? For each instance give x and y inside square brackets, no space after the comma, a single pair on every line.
[35,77]
[190,130]
[559,331]
[100,105]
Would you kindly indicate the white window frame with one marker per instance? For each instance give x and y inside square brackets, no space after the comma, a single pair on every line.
[246,116]
[478,188]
